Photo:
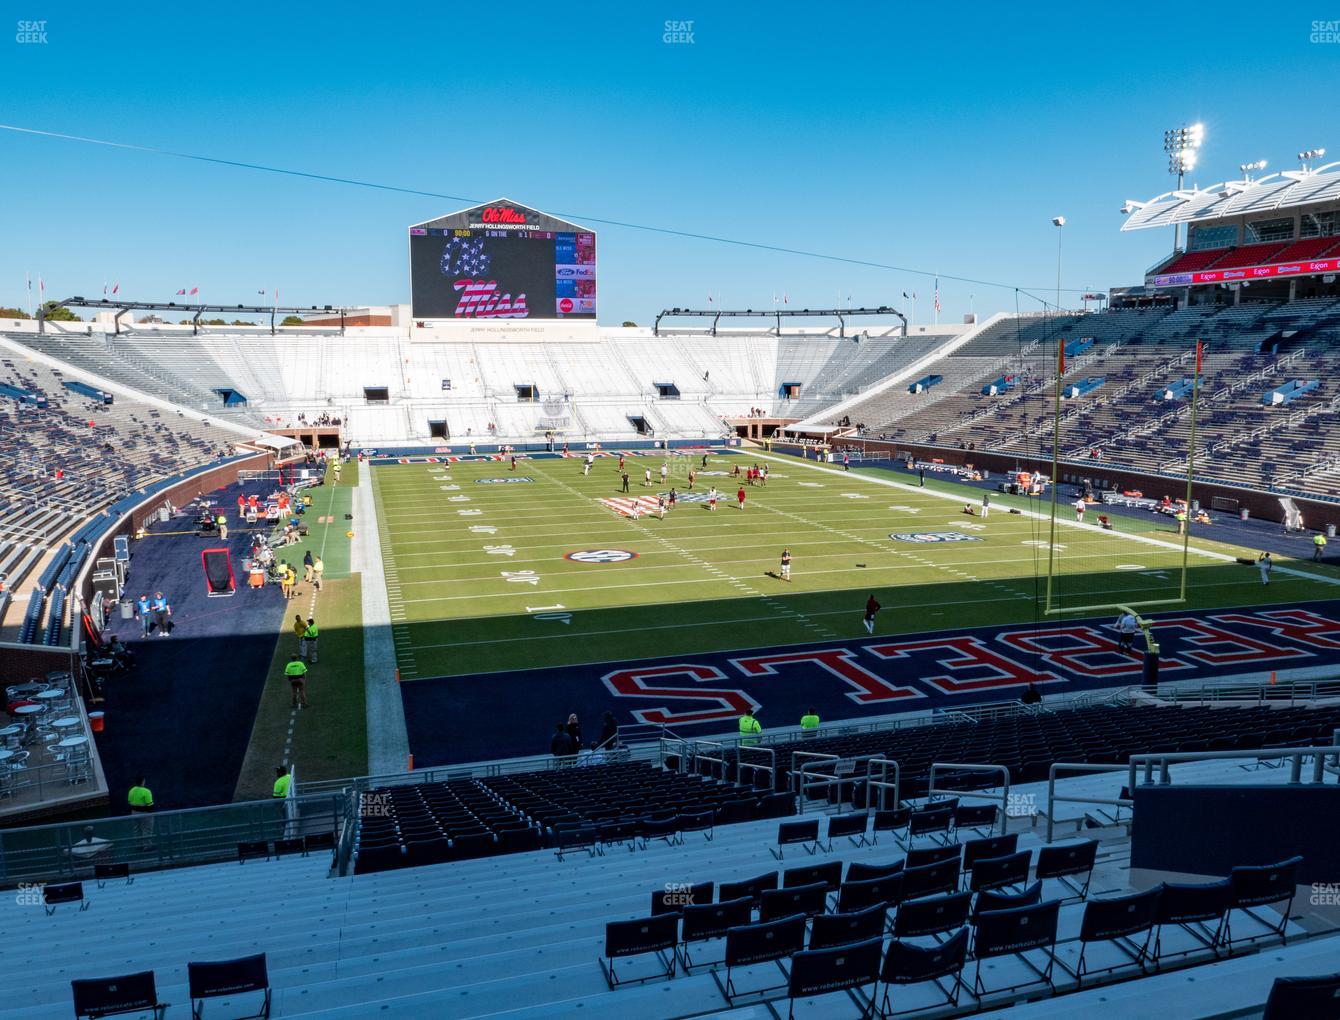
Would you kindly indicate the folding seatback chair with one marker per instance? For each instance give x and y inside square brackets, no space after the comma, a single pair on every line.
[838,969]
[860,895]
[852,826]
[428,851]
[672,897]
[368,860]
[619,830]
[1260,886]
[1126,922]
[999,872]
[659,828]
[472,845]
[994,899]
[805,833]
[1316,998]
[318,841]
[798,899]
[127,993]
[765,942]
[637,938]
[975,850]
[1195,909]
[931,879]
[859,871]
[54,894]
[919,857]
[253,849]
[891,821]
[829,873]
[518,839]
[932,915]
[1017,932]
[934,822]
[576,837]
[698,821]
[907,964]
[777,805]
[288,847]
[828,930]
[229,977]
[706,921]
[976,818]
[1071,864]
[104,873]
[752,888]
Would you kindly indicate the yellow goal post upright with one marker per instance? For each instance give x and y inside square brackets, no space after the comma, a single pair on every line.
[1121,599]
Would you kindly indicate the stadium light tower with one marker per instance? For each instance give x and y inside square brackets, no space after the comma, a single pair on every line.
[1058,222]
[1305,158]
[1249,168]
[1182,146]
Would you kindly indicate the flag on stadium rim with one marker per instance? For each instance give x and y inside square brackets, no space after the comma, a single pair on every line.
[181,292]
[1200,351]
[116,287]
[937,293]
[195,290]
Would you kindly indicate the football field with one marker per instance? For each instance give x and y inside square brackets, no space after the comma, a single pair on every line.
[492,569]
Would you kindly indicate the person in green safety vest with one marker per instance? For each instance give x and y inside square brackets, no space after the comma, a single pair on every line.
[296,671]
[282,782]
[140,800]
[309,636]
[1318,546]
[749,728]
[809,723]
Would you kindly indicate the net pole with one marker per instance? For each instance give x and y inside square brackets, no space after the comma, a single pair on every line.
[1056,471]
[1191,467]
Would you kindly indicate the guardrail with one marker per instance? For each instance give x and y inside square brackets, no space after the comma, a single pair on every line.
[803,779]
[698,756]
[1290,693]
[165,839]
[1083,767]
[741,765]
[1294,755]
[1003,797]
[881,784]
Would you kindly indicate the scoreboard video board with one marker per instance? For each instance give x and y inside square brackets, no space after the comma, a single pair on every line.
[502,261]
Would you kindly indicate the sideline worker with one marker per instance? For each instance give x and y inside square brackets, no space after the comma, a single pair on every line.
[296,671]
[309,641]
[809,722]
[1318,546]
[282,782]
[140,800]
[749,728]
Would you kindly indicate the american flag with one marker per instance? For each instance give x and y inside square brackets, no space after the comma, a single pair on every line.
[937,294]
[465,256]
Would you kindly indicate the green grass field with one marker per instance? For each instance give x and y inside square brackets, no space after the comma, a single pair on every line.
[479,582]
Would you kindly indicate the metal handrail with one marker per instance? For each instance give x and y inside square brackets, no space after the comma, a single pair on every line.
[699,756]
[741,765]
[1003,797]
[802,780]
[1295,756]
[1053,799]
[882,783]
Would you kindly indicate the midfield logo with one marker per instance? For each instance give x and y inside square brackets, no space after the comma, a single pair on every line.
[503,481]
[927,537]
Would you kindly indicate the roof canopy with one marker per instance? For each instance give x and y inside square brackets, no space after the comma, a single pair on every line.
[500,214]
[1287,190]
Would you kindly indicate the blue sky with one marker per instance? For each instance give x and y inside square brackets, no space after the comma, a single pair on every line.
[934,137]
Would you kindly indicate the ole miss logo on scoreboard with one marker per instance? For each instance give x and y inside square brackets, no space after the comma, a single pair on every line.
[872,676]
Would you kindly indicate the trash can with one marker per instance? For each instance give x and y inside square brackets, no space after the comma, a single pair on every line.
[1243,514]
[1330,531]
[95,721]
[127,609]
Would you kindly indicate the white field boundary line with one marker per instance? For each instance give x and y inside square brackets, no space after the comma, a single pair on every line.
[950,497]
